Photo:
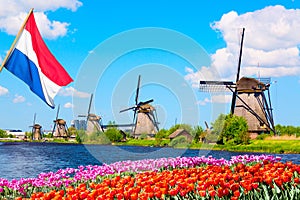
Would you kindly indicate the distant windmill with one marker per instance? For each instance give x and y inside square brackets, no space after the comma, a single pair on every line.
[93,121]
[60,128]
[36,130]
[144,117]
[248,100]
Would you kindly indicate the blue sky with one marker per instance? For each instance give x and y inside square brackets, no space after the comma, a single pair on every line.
[84,35]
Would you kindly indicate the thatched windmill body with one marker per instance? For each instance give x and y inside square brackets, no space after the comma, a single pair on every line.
[60,129]
[250,99]
[93,121]
[144,117]
[36,130]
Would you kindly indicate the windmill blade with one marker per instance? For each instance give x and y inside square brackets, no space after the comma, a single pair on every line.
[137,90]
[134,122]
[57,112]
[206,124]
[145,102]
[233,101]
[101,125]
[54,127]
[89,109]
[156,120]
[55,119]
[130,108]
[67,131]
[151,117]
[34,118]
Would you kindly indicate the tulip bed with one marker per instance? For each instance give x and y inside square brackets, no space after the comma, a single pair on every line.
[241,177]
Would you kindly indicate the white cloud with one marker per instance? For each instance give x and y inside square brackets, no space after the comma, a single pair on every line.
[13,13]
[18,99]
[3,91]
[221,98]
[70,91]
[271,45]
[68,105]
[205,73]
[215,99]
[203,102]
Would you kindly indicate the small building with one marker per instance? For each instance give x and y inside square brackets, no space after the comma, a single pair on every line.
[181,132]
[16,133]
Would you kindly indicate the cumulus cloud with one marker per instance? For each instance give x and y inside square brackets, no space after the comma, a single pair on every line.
[68,105]
[70,91]
[204,101]
[3,91]
[18,99]
[271,45]
[13,13]
[220,98]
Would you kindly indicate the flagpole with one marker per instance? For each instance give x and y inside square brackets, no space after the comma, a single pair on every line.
[16,39]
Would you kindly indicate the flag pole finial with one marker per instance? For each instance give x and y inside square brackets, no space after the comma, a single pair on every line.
[16,39]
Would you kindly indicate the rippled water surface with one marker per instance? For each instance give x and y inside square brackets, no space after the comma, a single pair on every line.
[24,160]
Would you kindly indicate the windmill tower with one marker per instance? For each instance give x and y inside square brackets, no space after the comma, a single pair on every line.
[36,130]
[60,129]
[144,115]
[93,121]
[250,99]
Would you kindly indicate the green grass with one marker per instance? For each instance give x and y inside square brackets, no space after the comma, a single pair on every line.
[264,146]
[267,146]
[138,142]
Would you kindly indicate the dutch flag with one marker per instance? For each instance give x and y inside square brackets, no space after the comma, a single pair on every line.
[32,62]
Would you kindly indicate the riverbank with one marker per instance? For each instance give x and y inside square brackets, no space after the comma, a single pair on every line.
[287,145]
[279,144]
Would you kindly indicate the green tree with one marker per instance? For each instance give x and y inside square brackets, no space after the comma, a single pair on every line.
[160,135]
[3,134]
[196,133]
[81,136]
[113,134]
[235,130]
[71,131]
[218,124]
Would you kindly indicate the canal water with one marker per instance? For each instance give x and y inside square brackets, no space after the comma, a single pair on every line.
[25,160]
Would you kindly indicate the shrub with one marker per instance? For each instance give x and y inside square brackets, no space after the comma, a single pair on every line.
[261,137]
[179,141]
[196,133]
[235,130]
[3,134]
[81,136]
[143,136]
[218,124]
[113,135]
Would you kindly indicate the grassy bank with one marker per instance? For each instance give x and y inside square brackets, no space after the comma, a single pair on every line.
[268,145]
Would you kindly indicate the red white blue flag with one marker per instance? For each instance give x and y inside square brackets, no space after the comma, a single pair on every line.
[32,62]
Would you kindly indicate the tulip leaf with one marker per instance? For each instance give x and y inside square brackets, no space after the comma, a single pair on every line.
[266,193]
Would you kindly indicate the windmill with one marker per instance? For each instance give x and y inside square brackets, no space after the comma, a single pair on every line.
[250,98]
[144,115]
[60,127]
[36,129]
[93,121]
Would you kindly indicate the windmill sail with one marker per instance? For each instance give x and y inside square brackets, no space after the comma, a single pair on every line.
[248,98]
[144,120]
